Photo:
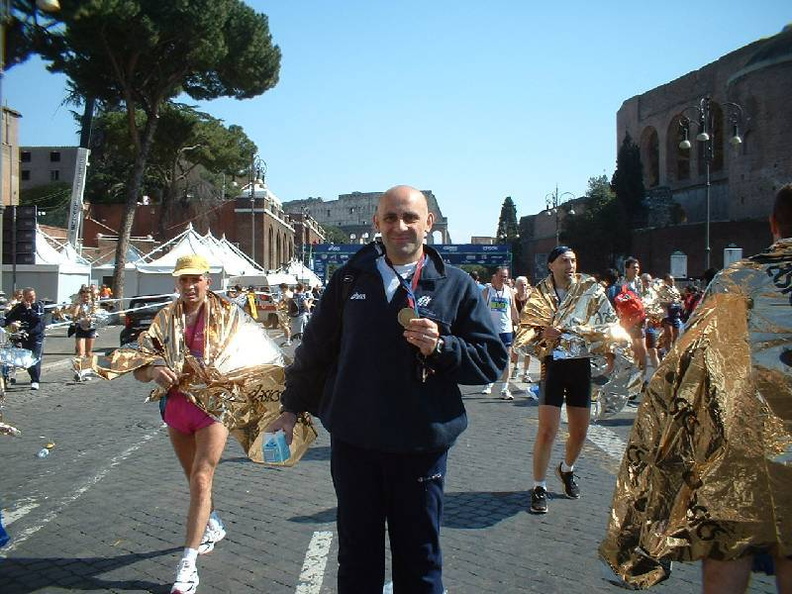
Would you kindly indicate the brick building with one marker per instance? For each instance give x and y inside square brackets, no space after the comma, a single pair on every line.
[264,232]
[307,233]
[748,88]
[749,92]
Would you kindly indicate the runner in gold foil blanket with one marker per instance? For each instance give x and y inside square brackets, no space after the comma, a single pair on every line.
[707,473]
[238,382]
[217,372]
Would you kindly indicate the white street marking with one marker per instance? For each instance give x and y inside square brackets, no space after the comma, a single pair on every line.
[607,441]
[603,438]
[77,493]
[312,574]
[11,516]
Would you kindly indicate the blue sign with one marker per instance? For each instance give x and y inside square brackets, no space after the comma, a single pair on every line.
[329,257]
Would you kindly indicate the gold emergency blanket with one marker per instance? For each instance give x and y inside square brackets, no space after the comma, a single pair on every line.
[238,381]
[586,319]
[707,472]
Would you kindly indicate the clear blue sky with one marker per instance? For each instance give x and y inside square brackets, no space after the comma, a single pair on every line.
[475,101]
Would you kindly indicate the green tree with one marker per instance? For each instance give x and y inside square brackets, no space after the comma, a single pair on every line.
[144,53]
[600,231]
[628,181]
[507,222]
[187,142]
[508,229]
[25,27]
[334,234]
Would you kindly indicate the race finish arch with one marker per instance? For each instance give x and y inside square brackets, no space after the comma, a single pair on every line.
[329,257]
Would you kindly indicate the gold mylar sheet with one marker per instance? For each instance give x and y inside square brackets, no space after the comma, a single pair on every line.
[238,381]
[586,319]
[707,472]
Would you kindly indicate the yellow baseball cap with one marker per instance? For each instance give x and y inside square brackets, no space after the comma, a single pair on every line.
[192,264]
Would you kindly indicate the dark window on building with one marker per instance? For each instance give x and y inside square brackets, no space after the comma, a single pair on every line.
[678,159]
[25,175]
[24,156]
[55,175]
[650,155]
[55,157]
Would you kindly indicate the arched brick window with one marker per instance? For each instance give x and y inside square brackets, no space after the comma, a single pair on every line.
[270,250]
[278,259]
[650,156]
[677,159]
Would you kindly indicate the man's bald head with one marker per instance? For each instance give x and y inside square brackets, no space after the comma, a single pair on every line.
[402,191]
[403,219]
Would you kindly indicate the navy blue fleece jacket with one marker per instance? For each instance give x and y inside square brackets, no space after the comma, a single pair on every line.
[362,379]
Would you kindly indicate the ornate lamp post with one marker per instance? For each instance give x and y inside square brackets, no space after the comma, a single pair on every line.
[553,202]
[704,120]
[258,169]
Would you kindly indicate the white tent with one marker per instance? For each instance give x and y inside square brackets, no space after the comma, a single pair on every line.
[303,274]
[105,267]
[56,275]
[155,274]
[235,262]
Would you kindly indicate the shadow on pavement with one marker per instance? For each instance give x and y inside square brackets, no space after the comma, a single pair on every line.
[482,509]
[320,454]
[616,422]
[470,510]
[23,575]
[327,516]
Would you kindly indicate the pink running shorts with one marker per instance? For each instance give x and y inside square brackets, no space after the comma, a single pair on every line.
[183,415]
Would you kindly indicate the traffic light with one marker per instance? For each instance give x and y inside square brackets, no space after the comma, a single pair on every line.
[19,235]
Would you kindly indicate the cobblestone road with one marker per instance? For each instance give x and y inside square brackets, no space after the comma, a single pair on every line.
[105,511]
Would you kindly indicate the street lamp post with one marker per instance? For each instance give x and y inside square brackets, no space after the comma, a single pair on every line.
[706,134]
[553,201]
[257,168]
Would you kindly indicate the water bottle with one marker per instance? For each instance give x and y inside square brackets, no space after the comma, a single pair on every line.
[275,448]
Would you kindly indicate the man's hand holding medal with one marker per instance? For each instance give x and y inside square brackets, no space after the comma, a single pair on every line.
[423,333]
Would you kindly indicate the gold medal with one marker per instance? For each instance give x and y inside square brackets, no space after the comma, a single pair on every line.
[405,315]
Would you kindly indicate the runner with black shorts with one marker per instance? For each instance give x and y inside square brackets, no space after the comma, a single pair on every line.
[554,307]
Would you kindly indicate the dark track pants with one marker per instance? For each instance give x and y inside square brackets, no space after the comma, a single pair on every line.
[36,345]
[404,490]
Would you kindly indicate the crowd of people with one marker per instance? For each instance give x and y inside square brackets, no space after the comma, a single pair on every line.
[713,412]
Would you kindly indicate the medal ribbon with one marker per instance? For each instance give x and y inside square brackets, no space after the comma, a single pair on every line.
[409,288]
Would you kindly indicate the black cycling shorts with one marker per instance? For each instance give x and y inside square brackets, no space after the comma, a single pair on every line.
[80,333]
[565,379]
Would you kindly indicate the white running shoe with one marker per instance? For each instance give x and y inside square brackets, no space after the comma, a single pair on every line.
[506,394]
[186,578]
[214,533]
[487,389]
[34,385]
[527,378]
